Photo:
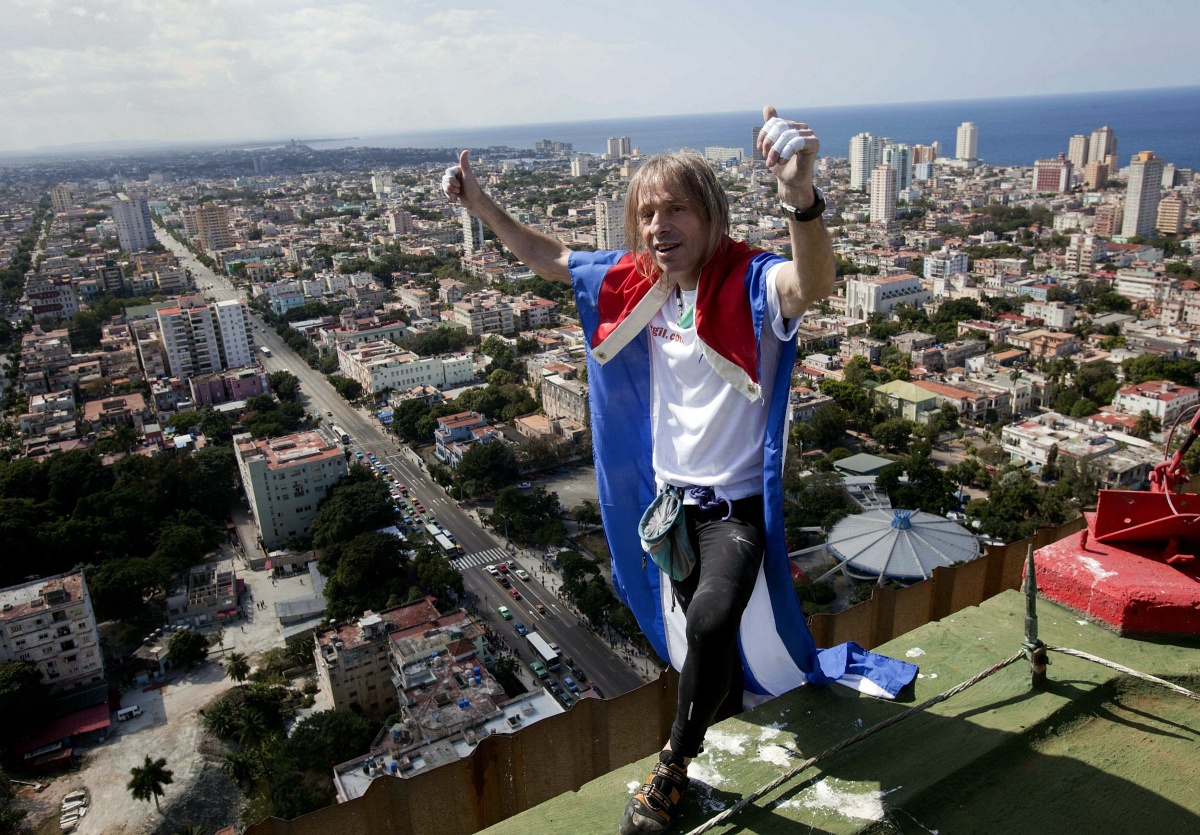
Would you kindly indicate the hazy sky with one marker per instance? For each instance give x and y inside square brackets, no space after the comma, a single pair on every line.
[99,70]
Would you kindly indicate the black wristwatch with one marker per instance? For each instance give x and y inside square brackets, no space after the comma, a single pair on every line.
[811,213]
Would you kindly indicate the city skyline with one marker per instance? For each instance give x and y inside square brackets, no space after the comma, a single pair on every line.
[177,72]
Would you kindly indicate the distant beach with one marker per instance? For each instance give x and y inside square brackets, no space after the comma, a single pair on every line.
[1012,131]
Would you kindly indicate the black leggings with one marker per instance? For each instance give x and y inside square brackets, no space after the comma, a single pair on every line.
[713,596]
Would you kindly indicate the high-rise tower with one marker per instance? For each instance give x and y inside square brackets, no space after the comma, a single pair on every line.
[1142,195]
[134,228]
[966,147]
[866,152]
[883,194]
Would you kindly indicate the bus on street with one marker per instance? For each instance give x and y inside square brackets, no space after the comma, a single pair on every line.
[265,350]
[542,649]
[339,433]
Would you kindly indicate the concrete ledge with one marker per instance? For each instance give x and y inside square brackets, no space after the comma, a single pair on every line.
[1132,593]
[1091,751]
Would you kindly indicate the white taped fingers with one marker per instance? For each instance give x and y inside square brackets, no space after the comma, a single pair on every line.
[784,139]
[449,176]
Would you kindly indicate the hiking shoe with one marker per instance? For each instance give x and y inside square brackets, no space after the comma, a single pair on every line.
[654,807]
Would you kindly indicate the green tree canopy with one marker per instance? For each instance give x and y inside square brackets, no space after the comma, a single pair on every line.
[357,503]
[364,573]
[187,648]
[490,466]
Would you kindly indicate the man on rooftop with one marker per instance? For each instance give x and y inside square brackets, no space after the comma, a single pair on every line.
[691,340]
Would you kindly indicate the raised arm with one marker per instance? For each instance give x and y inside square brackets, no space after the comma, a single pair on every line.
[790,150]
[544,255]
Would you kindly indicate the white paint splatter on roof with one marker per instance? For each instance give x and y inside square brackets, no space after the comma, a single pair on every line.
[775,755]
[834,796]
[915,652]
[717,740]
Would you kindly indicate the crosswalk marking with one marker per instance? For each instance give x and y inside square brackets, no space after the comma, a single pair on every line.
[489,557]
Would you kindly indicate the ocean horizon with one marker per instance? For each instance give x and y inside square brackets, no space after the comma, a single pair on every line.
[1012,131]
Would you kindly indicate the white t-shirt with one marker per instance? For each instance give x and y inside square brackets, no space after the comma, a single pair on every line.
[705,432]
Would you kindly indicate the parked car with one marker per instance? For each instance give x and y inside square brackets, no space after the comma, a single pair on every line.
[566,698]
[520,627]
[599,693]
[570,684]
[504,613]
[553,687]
[579,674]
[539,669]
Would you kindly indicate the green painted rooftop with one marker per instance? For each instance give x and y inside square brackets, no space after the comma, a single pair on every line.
[1096,750]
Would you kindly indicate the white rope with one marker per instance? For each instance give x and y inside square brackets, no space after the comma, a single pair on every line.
[871,731]
[1128,671]
[899,717]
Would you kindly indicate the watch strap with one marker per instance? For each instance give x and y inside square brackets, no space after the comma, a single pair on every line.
[805,215]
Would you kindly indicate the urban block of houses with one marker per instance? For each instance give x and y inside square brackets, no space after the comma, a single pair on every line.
[1030,443]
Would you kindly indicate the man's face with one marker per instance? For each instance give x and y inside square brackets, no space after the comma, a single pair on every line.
[675,234]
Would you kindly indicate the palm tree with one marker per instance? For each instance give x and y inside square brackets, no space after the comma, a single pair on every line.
[148,780]
[1147,425]
[237,667]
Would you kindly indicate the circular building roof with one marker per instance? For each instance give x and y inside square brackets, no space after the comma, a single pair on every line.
[903,544]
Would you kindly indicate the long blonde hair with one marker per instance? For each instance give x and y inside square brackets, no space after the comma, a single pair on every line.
[685,175]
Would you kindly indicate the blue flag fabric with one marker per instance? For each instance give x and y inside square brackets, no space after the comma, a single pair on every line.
[777,649]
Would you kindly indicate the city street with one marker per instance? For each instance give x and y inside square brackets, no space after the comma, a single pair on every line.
[605,665]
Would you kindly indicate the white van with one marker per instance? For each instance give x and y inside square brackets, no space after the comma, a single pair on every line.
[128,713]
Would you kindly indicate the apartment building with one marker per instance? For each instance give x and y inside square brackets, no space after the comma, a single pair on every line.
[203,338]
[1140,284]
[1046,344]
[455,433]
[945,263]
[51,296]
[45,355]
[416,299]
[484,313]
[383,365]
[1031,441]
[1162,398]
[1142,195]
[135,229]
[1052,175]
[565,398]
[370,661]
[228,386]
[610,223]
[1084,252]
[210,223]
[285,478]
[1056,315]
[51,623]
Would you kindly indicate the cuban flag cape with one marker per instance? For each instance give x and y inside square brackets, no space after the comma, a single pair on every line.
[616,301]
